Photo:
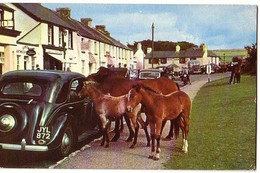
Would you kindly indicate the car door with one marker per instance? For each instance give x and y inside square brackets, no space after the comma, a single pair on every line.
[82,107]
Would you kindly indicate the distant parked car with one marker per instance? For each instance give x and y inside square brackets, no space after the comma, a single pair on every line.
[150,73]
[214,68]
[194,66]
[40,111]
[133,74]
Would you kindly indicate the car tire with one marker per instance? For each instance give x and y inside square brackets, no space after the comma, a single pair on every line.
[66,143]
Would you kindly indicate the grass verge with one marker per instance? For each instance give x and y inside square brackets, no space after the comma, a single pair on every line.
[222,132]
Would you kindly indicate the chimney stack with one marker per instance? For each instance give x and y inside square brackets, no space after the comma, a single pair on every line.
[102,28]
[149,49]
[178,48]
[64,12]
[139,46]
[87,21]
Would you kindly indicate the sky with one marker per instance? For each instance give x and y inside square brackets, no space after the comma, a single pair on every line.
[218,26]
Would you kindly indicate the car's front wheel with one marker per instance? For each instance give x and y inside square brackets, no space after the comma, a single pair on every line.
[67,142]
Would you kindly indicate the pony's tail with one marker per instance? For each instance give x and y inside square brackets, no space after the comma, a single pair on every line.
[178,86]
[176,123]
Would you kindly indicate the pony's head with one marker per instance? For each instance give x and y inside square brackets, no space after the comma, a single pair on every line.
[85,88]
[134,97]
[100,76]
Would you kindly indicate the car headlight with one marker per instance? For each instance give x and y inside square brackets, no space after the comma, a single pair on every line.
[7,123]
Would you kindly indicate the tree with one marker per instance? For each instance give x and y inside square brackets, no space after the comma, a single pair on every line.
[251,66]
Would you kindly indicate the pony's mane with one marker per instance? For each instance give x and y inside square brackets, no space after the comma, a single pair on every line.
[150,89]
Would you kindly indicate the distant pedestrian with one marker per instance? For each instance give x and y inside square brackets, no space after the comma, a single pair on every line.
[37,67]
[68,69]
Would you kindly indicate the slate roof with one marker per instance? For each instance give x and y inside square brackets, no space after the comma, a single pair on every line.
[92,33]
[193,52]
[43,14]
[5,7]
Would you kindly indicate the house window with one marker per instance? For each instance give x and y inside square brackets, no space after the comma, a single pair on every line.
[50,34]
[83,66]
[61,39]
[153,61]
[25,62]
[33,63]
[1,17]
[95,48]
[18,62]
[70,46]
[163,60]
[182,60]
[2,62]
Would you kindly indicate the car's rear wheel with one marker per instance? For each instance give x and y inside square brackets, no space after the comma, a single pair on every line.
[67,141]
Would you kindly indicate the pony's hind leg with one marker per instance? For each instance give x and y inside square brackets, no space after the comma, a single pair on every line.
[152,128]
[158,138]
[105,133]
[186,131]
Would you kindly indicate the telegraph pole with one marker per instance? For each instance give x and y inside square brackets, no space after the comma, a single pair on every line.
[152,42]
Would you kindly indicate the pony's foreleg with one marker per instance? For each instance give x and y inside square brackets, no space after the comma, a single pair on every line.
[131,131]
[152,128]
[144,126]
[136,125]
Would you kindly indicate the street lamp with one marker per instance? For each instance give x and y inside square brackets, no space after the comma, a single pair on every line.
[152,42]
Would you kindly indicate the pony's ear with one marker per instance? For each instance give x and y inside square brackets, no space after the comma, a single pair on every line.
[137,88]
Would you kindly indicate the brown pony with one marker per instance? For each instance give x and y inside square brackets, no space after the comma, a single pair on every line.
[117,86]
[110,108]
[158,108]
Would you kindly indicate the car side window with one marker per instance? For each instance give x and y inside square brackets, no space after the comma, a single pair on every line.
[63,94]
[75,87]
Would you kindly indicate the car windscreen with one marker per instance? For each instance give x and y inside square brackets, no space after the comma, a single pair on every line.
[149,75]
[22,89]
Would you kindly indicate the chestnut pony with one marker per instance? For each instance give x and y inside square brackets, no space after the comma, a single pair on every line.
[158,108]
[109,108]
[117,85]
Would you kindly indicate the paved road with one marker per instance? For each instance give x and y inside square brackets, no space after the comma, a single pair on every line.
[119,155]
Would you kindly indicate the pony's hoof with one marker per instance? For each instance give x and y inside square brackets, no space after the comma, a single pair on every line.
[102,144]
[132,146]
[129,139]
[148,145]
[185,151]
[167,139]
[107,146]
[150,157]
[115,138]
[155,158]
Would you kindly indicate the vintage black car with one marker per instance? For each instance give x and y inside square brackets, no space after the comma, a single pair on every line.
[40,111]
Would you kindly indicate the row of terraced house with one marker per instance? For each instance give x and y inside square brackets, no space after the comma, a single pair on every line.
[32,35]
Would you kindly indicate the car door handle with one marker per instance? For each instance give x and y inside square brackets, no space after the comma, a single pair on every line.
[70,107]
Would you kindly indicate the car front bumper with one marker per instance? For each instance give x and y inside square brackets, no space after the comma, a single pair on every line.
[23,147]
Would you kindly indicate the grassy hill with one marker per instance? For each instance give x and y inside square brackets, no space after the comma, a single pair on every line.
[227,54]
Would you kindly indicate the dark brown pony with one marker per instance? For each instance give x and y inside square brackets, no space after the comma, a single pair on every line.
[158,108]
[237,74]
[110,108]
[117,86]
[237,69]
